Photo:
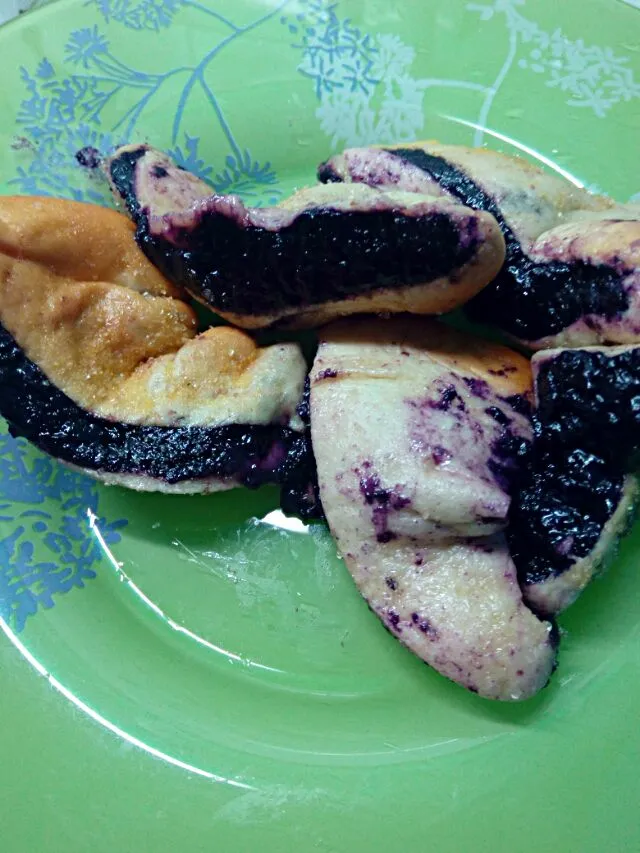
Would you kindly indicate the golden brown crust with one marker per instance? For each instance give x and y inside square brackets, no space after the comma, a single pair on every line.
[80,241]
[505,370]
[95,315]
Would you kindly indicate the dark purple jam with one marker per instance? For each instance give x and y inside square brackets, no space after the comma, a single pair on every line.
[587,437]
[591,399]
[383,501]
[424,625]
[328,175]
[248,454]
[322,255]
[122,170]
[498,416]
[89,157]
[509,453]
[520,403]
[327,374]
[557,516]
[478,387]
[394,620]
[532,300]
[448,396]
[527,299]
[300,492]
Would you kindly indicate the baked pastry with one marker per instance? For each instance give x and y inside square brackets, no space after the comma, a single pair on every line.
[141,177]
[565,524]
[572,271]
[101,365]
[579,490]
[418,433]
[323,253]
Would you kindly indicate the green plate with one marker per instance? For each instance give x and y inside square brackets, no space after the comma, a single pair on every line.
[199,673]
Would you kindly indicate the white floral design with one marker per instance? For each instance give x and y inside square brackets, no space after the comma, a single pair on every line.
[363,82]
[360,117]
[593,77]
[367,92]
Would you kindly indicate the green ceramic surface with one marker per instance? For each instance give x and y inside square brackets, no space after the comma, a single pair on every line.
[199,673]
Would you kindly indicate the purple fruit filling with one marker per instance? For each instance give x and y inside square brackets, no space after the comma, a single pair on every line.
[531,300]
[394,620]
[424,625]
[448,397]
[520,403]
[591,399]
[122,170]
[587,438]
[478,387]
[558,514]
[327,374]
[508,454]
[328,175]
[89,157]
[498,416]
[300,492]
[322,255]
[248,454]
[527,299]
[383,501]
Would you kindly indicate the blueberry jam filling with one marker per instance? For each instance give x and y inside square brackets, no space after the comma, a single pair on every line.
[322,255]
[123,174]
[328,175]
[508,454]
[527,299]
[89,157]
[591,399]
[587,437]
[300,492]
[564,500]
[532,300]
[382,500]
[248,454]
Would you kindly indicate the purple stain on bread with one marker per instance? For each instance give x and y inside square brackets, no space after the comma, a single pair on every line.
[478,387]
[393,619]
[424,625]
